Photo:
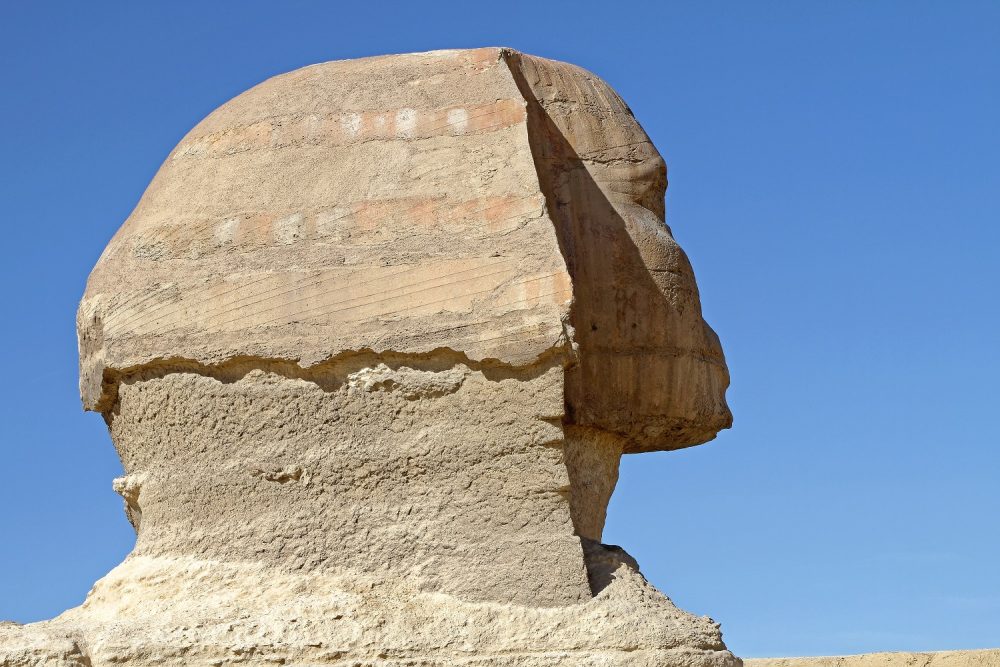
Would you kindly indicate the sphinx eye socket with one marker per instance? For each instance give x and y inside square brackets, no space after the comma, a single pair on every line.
[652,182]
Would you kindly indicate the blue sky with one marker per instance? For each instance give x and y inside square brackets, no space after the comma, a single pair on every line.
[834,177]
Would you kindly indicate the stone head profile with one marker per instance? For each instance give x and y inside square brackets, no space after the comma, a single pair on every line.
[380,330]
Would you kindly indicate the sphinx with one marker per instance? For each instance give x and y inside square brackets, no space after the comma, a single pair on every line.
[370,348]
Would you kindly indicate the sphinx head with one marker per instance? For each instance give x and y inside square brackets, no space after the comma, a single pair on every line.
[405,314]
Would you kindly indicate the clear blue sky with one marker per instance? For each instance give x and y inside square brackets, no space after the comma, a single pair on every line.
[834,176]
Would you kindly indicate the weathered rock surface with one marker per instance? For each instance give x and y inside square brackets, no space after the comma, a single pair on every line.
[982,658]
[370,349]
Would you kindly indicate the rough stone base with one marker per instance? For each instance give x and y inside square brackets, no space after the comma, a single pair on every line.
[170,611]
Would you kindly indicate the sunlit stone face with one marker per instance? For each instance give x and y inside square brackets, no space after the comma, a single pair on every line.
[478,201]
[370,349]
[649,368]
[406,327]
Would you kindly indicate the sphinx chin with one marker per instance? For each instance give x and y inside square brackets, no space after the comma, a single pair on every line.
[370,349]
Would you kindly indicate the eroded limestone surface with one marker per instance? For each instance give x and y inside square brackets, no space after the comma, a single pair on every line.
[370,348]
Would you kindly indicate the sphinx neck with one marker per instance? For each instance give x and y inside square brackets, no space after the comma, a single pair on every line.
[395,472]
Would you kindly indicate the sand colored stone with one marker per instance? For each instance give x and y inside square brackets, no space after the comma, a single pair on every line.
[981,658]
[370,349]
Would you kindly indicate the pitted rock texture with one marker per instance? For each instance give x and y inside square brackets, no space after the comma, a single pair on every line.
[372,476]
[370,349]
[181,611]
